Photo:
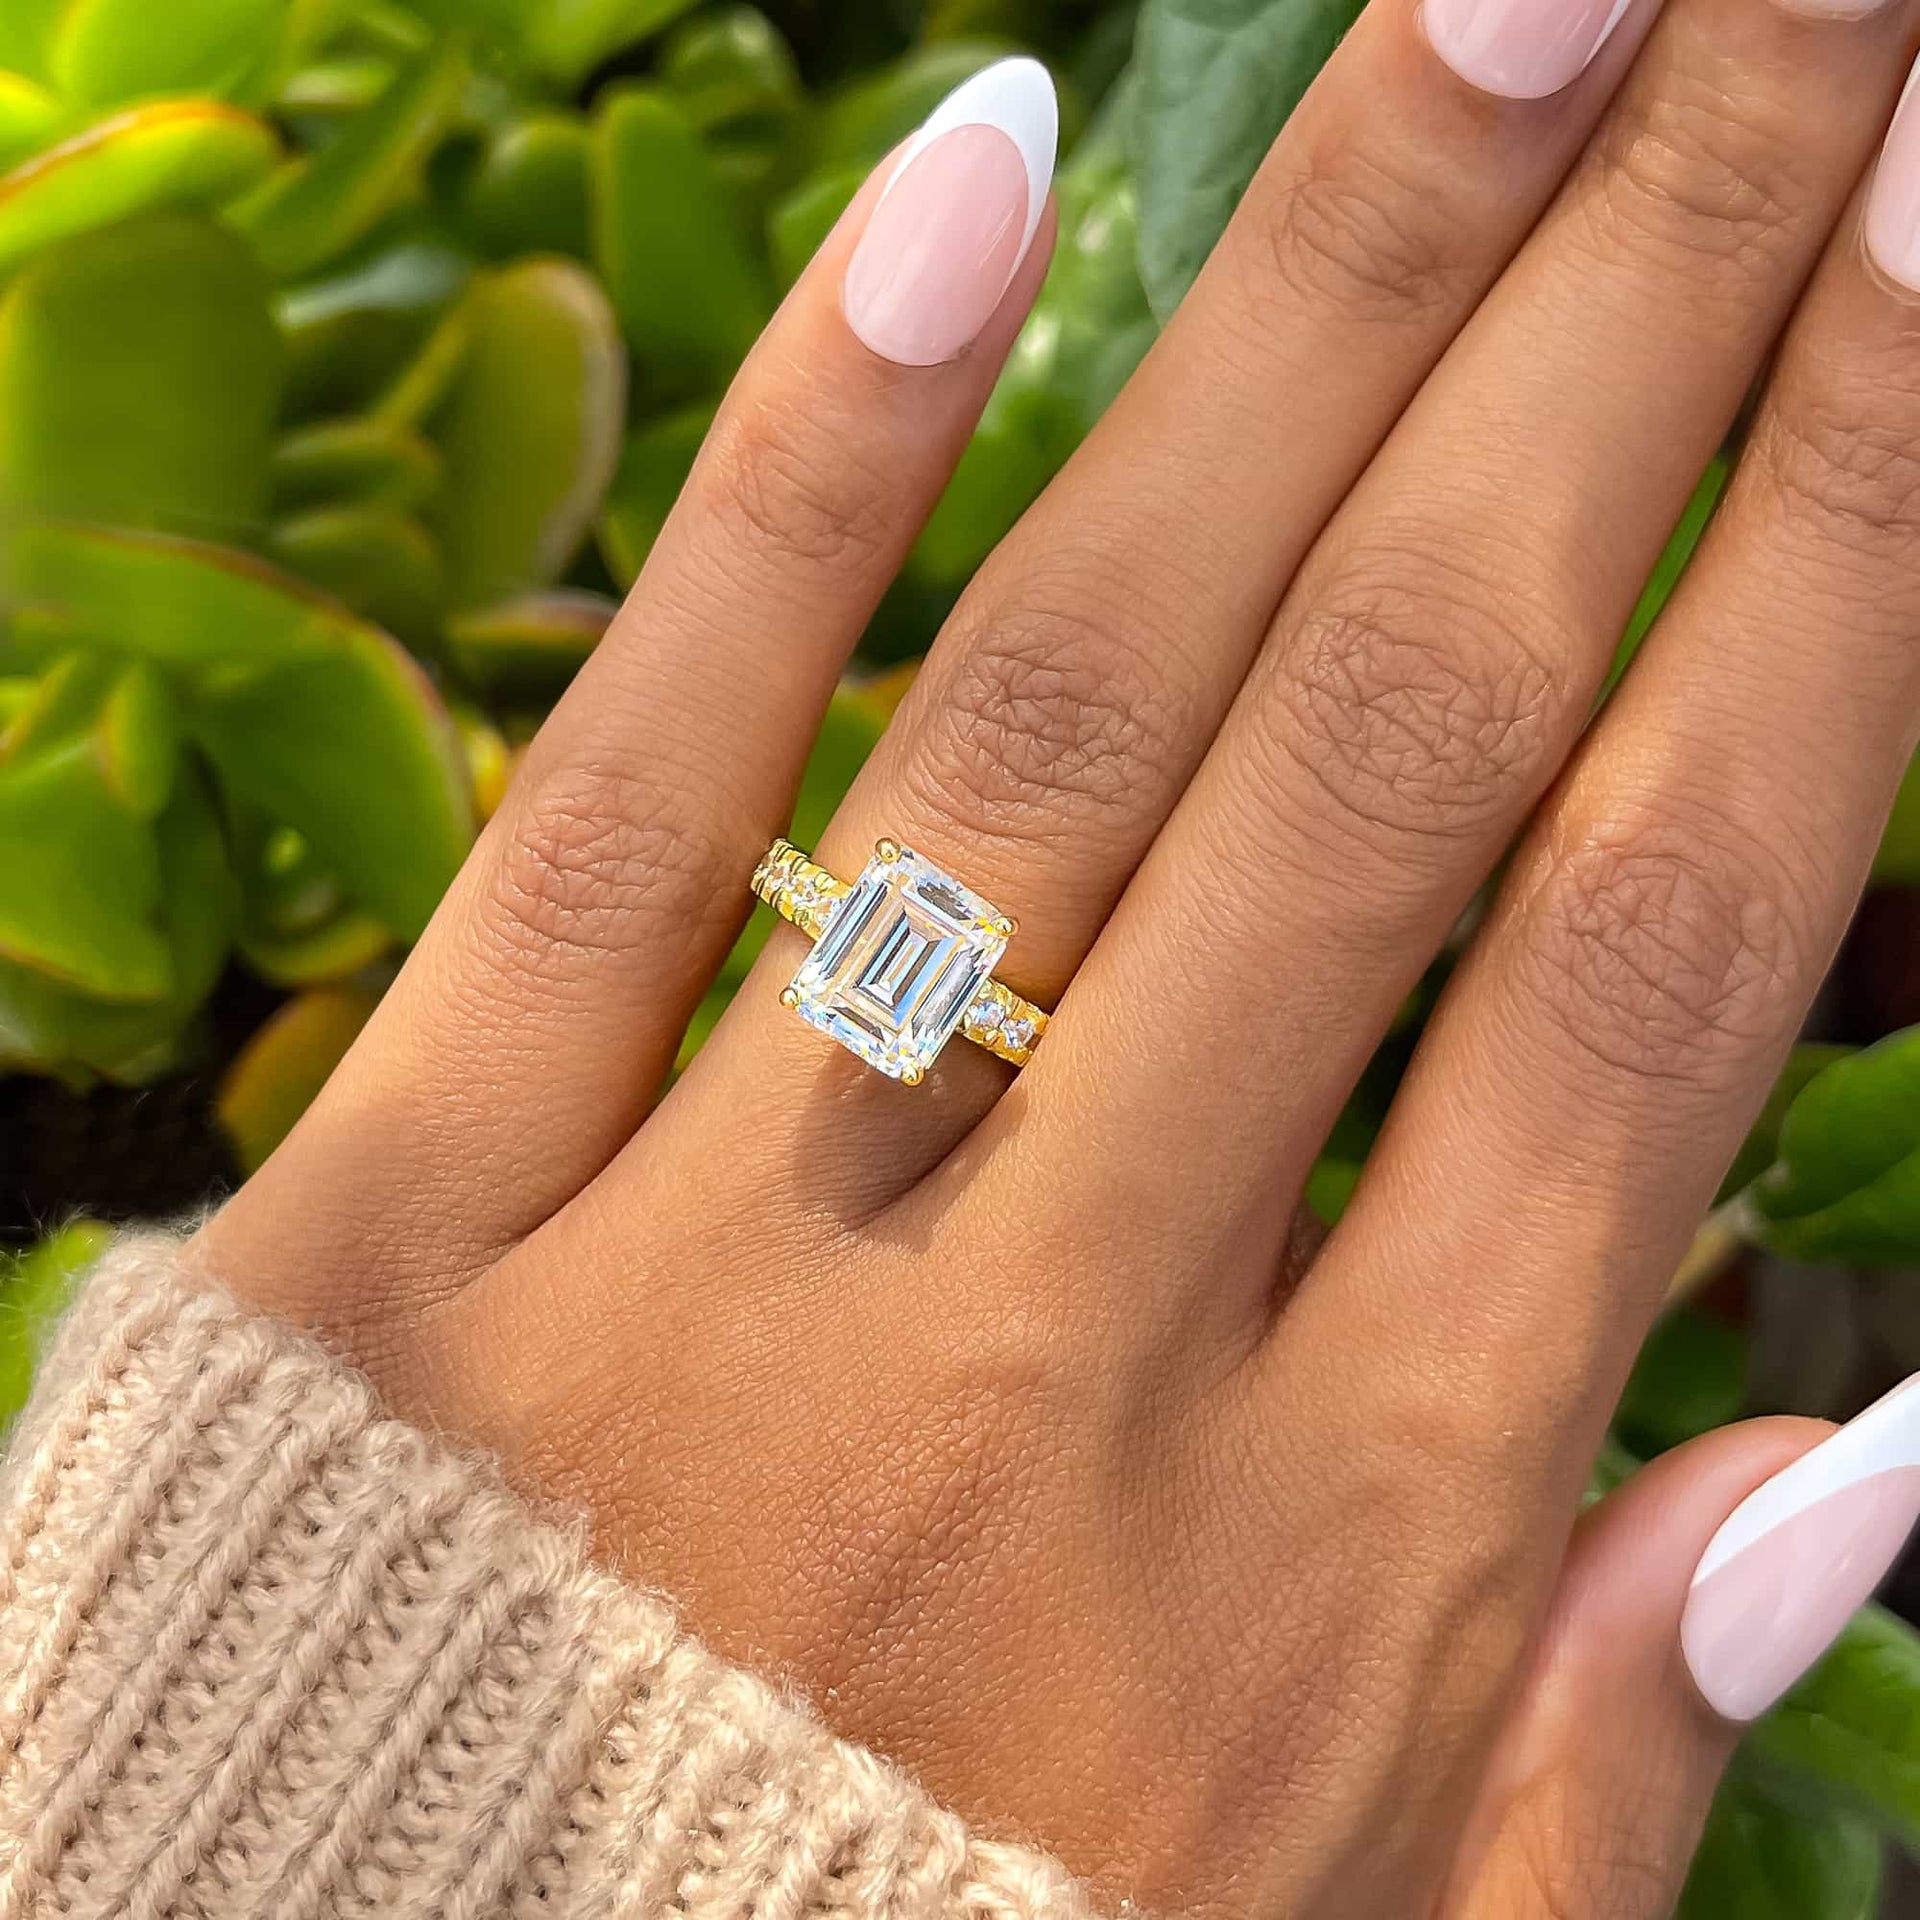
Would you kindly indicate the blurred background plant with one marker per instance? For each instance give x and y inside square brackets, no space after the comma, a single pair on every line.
[351,354]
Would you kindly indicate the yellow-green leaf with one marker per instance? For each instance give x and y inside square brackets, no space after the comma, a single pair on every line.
[104,51]
[284,1065]
[167,153]
[522,652]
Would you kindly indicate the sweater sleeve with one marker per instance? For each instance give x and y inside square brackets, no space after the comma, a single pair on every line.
[265,1651]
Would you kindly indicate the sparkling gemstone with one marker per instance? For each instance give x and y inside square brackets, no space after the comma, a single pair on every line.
[904,954]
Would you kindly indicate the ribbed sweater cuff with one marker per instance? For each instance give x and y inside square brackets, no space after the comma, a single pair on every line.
[264,1650]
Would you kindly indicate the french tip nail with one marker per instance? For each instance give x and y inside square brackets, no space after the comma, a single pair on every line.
[1794,1561]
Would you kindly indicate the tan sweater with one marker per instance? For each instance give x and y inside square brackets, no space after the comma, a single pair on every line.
[266,1652]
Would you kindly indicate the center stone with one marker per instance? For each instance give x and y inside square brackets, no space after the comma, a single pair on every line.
[903,955]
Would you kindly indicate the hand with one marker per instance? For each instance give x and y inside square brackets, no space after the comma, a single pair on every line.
[1017,1420]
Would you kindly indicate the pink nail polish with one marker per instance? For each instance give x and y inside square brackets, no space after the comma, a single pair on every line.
[1893,205]
[956,219]
[1799,1556]
[1521,49]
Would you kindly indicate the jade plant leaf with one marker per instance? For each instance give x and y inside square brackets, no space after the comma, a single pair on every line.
[49,1027]
[34,1287]
[30,114]
[1218,80]
[284,1065]
[1762,1145]
[103,51]
[568,38]
[314,717]
[297,925]
[671,245]
[868,118]
[522,653]
[529,429]
[357,461]
[798,226]
[1765,1856]
[1691,1377]
[1853,1724]
[26,33]
[1899,862]
[315,208]
[652,471]
[529,194]
[140,371]
[385,566]
[167,153]
[1846,1185]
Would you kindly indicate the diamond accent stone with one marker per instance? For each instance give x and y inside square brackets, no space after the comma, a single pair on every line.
[899,963]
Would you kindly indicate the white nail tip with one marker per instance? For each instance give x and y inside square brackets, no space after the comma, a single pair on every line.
[1017,97]
[1884,1439]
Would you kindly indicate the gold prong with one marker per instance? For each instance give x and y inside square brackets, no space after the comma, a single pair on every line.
[886,850]
[914,1075]
[789,998]
[1006,926]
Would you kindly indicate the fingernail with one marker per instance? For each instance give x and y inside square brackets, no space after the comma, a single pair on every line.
[1521,49]
[1800,1555]
[956,218]
[1893,205]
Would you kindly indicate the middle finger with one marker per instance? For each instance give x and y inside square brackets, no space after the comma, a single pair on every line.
[1436,658]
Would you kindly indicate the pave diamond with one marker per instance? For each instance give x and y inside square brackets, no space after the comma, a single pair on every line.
[899,963]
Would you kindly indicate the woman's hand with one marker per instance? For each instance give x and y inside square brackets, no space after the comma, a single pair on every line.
[1016,1420]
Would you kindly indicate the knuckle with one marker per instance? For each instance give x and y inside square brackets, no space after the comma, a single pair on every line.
[1048,723]
[1702,168]
[1359,238]
[780,486]
[1419,710]
[1661,953]
[594,857]
[1822,455]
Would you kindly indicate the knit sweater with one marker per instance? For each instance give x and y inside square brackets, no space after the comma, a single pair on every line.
[265,1651]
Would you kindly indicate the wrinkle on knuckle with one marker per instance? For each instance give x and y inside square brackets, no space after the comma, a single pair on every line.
[1661,955]
[1048,722]
[777,485]
[1857,477]
[1416,715]
[1357,237]
[595,856]
[1699,170]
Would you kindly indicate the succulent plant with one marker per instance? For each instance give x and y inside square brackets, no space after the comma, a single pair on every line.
[351,355]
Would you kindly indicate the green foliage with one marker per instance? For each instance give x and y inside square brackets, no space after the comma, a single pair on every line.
[33,1288]
[353,351]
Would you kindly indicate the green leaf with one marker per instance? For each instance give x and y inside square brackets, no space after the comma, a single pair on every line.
[867,119]
[287,1062]
[80,892]
[1674,562]
[523,652]
[1218,79]
[48,1027]
[383,565]
[361,462]
[1899,861]
[26,34]
[1846,1186]
[34,1289]
[529,194]
[799,225]
[140,372]
[1765,1857]
[530,430]
[1762,1147]
[568,38]
[297,925]
[1853,1724]
[314,717]
[315,208]
[669,240]
[653,469]
[109,50]
[29,117]
[731,72]
[168,153]
[1690,1378]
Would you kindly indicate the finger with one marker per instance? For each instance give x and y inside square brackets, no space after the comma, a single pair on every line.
[1084,674]
[1594,1799]
[1602,1052]
[1438,655]
[533,1025]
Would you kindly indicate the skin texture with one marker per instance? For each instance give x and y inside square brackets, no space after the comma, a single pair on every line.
[1018,1423]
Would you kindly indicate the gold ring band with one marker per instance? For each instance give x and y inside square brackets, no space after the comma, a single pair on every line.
[903,958]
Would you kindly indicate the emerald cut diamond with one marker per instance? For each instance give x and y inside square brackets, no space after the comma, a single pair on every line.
[899,963]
